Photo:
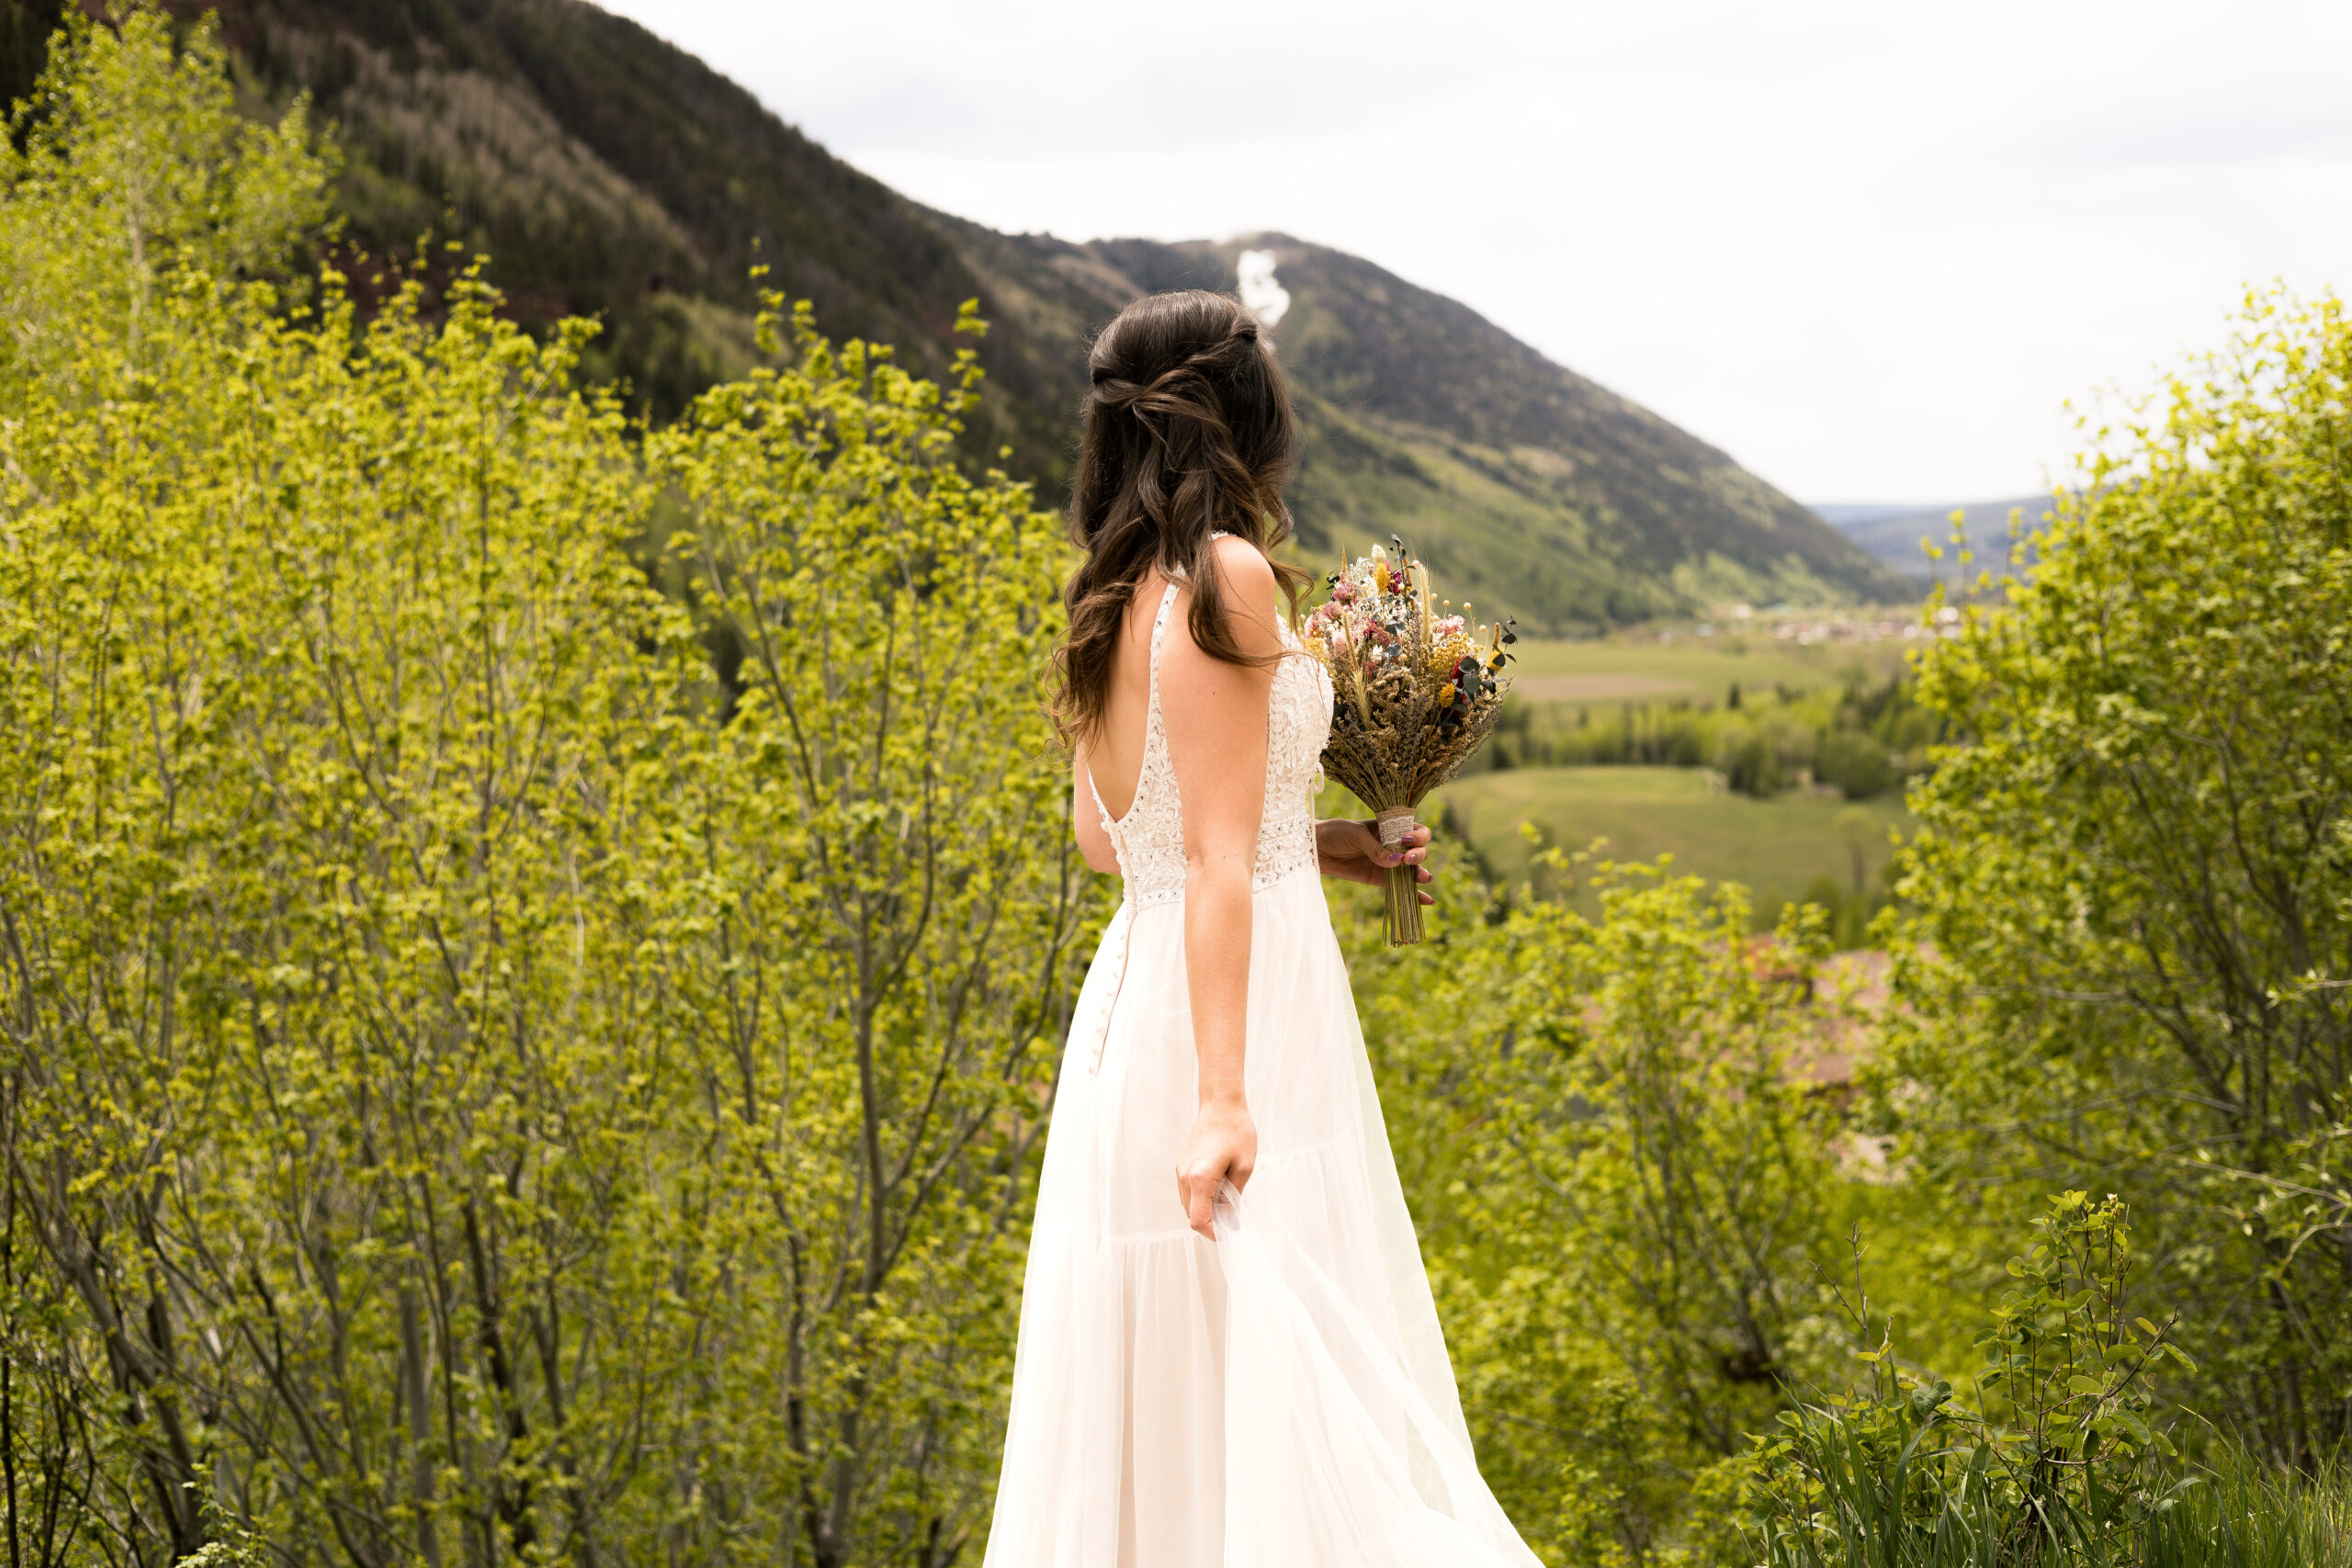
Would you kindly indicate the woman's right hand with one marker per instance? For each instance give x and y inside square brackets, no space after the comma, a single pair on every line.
[1352,848]
[1223,1147]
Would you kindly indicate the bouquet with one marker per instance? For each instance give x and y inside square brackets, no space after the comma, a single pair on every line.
[1413,694]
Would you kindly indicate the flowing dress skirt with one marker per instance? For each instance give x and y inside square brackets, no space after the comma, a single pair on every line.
[1280,1398]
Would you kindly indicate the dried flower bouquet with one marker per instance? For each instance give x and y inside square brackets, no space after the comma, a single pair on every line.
[1414,692]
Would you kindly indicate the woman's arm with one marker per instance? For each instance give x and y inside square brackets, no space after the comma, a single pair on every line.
[1215,716]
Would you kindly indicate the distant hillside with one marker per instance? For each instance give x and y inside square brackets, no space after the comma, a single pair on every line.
[609,173]
[1528,486]
[1896,532]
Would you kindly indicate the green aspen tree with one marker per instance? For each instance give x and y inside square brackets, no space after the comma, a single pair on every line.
[477,1087]
[2130,964]
[894,900]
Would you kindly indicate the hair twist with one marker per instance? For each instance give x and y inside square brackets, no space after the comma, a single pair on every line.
[1188,433]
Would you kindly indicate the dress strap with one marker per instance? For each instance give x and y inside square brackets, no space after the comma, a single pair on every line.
[1152,726]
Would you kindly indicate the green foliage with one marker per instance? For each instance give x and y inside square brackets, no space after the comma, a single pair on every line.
[1624,1187]
[2054,1454]
[129,171]
[2058,1462]
[2133,885]
[1855,763]
[888,902]
[2123,965]
[467,1094]
[2242,1514]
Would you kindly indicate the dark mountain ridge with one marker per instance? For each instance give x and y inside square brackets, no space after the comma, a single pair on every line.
[608,173]
[1898,533]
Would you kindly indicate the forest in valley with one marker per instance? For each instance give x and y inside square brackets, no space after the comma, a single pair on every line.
[534,941]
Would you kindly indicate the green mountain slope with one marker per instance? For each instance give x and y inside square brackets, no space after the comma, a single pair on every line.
[1527,484]
[609,173]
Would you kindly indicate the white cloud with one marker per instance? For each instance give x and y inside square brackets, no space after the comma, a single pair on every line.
[1870,250]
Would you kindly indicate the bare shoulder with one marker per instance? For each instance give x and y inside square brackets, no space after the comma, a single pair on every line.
[1244,572]
[1246,584]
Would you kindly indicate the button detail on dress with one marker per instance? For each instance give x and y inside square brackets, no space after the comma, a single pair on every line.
[1095,1029]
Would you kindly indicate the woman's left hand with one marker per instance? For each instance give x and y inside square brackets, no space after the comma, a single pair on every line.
[1348,848]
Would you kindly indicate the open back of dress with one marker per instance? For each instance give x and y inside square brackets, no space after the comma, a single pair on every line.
[1280,1398]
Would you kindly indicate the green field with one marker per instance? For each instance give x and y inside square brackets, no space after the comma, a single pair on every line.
[1637,668]
[1777,847]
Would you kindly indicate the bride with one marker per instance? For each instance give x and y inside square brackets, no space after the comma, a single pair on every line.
[1228,1355]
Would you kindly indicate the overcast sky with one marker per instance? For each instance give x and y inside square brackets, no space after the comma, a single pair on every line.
[1870,249]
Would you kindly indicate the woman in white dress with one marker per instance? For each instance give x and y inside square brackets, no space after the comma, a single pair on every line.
[1228,1355]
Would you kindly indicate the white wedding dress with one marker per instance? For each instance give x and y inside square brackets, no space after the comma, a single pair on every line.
[1280,1398]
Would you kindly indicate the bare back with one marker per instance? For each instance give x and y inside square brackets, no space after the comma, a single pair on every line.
[1114,756]
[1217,762]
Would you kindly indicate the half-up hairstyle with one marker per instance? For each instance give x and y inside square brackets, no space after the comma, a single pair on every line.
[1188,433]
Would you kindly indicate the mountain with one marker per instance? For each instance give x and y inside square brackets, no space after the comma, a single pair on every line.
[608,173]
[1893,531]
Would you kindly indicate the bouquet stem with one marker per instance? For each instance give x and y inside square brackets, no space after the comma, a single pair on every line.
[1404,905]
[1403,882]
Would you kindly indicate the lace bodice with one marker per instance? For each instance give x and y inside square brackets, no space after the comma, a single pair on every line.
[1150,838]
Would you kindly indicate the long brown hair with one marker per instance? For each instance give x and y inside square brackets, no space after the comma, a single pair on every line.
[1188,433]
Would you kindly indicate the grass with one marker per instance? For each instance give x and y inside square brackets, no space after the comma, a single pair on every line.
[2239,1514]
[1777,847]
[2246,1515]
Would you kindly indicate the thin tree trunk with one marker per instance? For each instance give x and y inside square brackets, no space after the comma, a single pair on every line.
[420,1423]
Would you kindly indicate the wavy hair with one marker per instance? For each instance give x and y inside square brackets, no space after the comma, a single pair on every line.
[1188,433]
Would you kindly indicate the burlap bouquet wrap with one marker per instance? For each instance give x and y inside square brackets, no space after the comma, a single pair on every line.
[1413,695]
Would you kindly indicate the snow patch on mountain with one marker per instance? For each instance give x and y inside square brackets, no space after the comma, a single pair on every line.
[1265,299]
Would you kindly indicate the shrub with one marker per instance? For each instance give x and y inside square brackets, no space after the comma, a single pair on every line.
[1750,762]
[1624,1190]
[1855,763]
[2057,1460]
[2132,886]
